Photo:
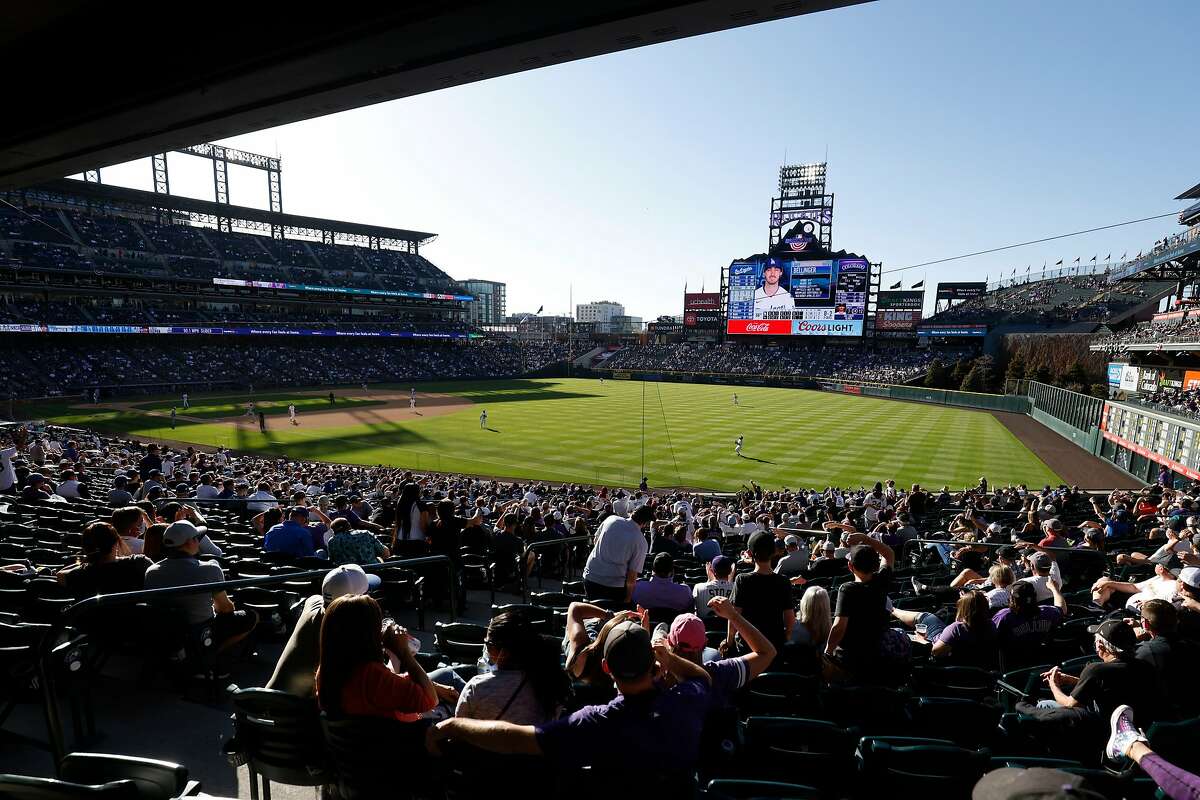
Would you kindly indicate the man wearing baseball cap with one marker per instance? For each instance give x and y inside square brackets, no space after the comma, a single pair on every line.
[298,662]
[772,300]
[652,733]
[719,584]
[182,567]
[1187,602]
[796,558]
[1117,678]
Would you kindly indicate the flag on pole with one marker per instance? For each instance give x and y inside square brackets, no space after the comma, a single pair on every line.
[896,285]
[1058,263]
[1108,257]
[1076,261]
[919,284]
[1094,257]
[1124,254]
[539,310]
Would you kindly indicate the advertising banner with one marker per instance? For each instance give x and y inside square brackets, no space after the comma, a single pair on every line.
[209,330]
[961,291]
[702,301]
[306,287]
[899,311]
[1129,378]
[952,330]
[817,297]
[701,319]
[1114,374]
[1191,379]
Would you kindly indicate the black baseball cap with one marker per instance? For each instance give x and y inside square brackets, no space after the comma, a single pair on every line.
[627,651]
[1117,634]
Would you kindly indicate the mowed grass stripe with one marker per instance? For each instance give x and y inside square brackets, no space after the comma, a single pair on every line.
[579,430]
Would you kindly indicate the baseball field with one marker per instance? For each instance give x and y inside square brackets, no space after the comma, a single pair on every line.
[582,430]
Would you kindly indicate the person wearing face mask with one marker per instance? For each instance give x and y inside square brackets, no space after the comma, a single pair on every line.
[131,523]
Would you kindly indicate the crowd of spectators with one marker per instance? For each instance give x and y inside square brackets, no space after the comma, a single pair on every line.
[1184,330]
[821,603]
[38,367]
[1184,402]
[48,238]
[1055,301]
[885,365]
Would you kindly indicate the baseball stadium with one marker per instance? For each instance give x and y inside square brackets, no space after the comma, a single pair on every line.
[291,506]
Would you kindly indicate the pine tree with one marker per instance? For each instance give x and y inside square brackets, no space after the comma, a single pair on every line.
[974,381]
[937,375]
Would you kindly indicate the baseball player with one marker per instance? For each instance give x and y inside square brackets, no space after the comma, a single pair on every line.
[737,446]
[292,414]
[184,398]
[483,418]
[735,400]
[172,417]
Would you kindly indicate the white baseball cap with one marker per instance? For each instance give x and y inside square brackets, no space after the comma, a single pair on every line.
[347,579]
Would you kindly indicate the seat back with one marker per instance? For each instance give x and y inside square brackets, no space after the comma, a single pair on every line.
[20,787]
[785,747]
[362,753]
[971,723]
[919,769]
[280,735]
[155,780]
[732,789]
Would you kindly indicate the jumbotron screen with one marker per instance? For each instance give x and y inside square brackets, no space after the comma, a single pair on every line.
[793,297]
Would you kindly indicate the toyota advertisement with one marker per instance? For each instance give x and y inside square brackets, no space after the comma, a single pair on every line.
[783,296]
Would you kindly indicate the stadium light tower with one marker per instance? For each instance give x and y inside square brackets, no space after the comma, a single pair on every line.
[802,197]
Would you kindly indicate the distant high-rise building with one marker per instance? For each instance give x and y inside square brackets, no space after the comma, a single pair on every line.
[490,301]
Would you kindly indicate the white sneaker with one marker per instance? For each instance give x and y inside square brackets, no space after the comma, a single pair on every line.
[1124,733]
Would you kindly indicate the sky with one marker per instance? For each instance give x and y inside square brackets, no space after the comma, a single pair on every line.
[950,126]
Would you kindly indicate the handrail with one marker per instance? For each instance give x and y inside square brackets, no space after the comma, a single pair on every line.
[50,701]
[545,544]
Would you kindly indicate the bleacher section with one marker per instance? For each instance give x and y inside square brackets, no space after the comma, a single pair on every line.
[1055,301]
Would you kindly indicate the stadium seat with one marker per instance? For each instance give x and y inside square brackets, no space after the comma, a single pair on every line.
[155,780]
[914,769]
[1176,742]
[875,710]
[362,753]
[731,789]
[280,737]
[788,748]
[459,641]
[970,723]
[972,683]
[780,694]
[19,787]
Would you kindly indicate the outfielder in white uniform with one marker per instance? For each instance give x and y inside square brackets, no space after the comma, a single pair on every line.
[737,446]
[483,418]
[292,413]
[185,401]
[412,403]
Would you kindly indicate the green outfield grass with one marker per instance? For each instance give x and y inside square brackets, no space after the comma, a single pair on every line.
[218,407]
[582,431]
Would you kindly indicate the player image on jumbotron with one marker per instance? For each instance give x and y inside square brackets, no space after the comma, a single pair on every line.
[772,300]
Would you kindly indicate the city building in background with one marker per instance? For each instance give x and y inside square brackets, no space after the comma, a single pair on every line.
[490,301]
[601,311]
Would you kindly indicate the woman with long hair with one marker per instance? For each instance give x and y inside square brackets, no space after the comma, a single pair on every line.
[815,618]
[527,685]
[352,678]
[104,564]
[971,639]
[412,518]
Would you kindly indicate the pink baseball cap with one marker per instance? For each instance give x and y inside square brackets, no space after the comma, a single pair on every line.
[687,632]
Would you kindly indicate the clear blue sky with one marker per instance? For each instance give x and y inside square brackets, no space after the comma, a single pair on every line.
[951,126]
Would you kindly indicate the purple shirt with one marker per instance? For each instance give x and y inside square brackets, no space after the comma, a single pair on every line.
[1024,632]
[973,648]
[662,593]
[728,675]
[652,729]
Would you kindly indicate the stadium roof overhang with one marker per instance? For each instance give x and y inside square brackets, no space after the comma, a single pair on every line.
[103,83]
[70,192]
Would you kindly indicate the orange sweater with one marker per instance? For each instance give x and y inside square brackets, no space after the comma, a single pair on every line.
[374,690]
